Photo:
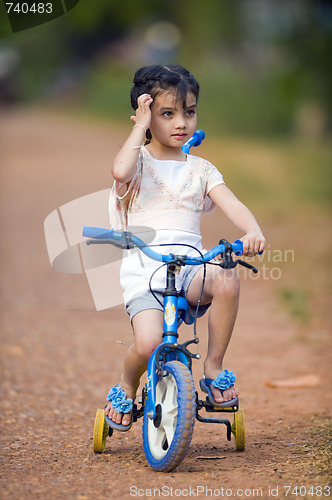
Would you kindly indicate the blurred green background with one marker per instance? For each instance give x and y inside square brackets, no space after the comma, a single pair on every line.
[264,66]
[265,72]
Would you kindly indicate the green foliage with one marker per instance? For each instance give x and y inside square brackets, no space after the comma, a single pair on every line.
[321,450]
[258,65]
[286,177]
[295,301]
[107,94]
[247,103]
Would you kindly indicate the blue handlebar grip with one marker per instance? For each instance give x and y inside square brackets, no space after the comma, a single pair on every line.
[195,140]
[237,247]
[97,232]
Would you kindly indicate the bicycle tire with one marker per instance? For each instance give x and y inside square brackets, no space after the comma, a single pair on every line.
[166,439]
[238,430]
[100,432]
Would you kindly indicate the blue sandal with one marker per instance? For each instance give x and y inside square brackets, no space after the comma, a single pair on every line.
[224,381]
[122,404]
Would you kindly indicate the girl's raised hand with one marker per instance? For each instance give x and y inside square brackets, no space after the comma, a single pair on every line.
[253,243]
[143,112]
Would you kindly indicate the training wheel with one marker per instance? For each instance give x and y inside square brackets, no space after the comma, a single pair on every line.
[238,429]
[100,432]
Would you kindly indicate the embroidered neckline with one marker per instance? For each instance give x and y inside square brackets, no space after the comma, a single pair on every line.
[156,159]
[160,181]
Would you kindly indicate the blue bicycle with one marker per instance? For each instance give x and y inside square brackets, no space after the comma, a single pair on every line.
[169,404]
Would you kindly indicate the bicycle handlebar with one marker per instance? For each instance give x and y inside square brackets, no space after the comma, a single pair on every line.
[195,140]
[128,240]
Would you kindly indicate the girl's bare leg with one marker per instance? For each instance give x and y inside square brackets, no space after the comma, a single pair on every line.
[147,327]
[222,290]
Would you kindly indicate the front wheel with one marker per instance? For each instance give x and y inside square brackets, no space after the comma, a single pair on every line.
[167,437]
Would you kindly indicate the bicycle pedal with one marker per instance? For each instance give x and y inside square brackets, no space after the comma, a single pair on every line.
[209,407]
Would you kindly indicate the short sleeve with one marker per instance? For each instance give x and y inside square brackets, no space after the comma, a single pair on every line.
[118,186]
[119,203]
[213,179]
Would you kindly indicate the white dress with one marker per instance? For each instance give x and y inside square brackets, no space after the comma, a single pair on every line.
[167,198]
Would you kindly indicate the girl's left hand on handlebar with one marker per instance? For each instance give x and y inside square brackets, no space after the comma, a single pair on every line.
[253,243]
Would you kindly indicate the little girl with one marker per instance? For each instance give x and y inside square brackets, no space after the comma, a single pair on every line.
[159,186]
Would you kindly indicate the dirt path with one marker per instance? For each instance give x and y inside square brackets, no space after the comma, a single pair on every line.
[59,356]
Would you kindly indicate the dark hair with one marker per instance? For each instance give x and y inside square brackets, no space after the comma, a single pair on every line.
[156,78]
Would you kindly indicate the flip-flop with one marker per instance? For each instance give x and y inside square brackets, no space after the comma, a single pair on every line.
[118,427]
[224,381]
[119,401]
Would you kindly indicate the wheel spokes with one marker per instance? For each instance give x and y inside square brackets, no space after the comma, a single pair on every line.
[161,438]
[157,439]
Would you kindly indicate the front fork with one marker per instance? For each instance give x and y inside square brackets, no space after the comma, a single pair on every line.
[167,351]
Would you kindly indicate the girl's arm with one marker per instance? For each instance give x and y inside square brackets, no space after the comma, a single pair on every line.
[240,215]
[124,165]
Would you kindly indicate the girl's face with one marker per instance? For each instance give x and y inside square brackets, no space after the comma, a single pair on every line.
[171,123]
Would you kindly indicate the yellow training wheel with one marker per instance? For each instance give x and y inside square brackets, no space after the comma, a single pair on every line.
[100,432]
[238,429]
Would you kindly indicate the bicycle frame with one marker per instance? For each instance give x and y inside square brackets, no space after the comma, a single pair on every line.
[169,349]
[170,404]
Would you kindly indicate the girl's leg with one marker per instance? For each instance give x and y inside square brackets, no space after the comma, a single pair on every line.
[147,326]
[222,290]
